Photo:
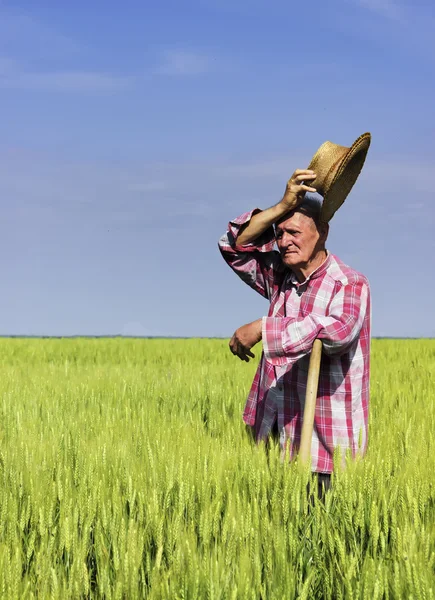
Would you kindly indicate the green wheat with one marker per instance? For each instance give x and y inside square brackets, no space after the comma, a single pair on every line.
[126,472]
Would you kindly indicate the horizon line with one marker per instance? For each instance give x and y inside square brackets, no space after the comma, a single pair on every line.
[176,337]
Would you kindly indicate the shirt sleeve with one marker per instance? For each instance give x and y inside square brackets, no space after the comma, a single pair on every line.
[286,340]
[256,263]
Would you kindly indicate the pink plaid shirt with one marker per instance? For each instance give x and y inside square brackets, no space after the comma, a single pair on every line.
[332,304]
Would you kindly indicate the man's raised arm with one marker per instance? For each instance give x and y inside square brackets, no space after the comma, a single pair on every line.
[248,248]
[248,244]
[293,195]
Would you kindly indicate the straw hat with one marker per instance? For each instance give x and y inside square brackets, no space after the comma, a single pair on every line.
[337,168]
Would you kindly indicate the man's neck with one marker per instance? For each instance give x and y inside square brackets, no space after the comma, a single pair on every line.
[303,272]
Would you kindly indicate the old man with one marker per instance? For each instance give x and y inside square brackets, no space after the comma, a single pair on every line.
[312,294]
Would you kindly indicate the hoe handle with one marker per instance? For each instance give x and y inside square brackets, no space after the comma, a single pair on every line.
[310,403]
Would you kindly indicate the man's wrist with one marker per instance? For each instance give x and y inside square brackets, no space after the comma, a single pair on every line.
[286,205]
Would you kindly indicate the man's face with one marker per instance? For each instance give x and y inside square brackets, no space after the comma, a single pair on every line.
[298,240]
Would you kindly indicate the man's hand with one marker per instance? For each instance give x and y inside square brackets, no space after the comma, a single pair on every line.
[245,338]
[296,188]
[293,196]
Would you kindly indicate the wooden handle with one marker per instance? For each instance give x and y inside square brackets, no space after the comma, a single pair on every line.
[310,403]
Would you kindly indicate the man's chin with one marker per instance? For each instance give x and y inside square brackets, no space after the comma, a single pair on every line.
[291,260]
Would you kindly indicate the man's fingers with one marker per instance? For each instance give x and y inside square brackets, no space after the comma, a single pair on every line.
[234,345]
[308,175]
[303,172]
[239,350]
[303,188]
[244,353]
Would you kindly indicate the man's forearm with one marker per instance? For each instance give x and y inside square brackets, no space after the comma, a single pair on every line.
[293,195]
[260,222]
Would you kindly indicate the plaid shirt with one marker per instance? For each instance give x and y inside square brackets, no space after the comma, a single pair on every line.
[332,304]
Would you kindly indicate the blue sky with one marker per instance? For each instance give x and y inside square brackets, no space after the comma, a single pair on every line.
[132,132]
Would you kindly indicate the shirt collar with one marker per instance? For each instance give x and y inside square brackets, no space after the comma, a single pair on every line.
[321,270]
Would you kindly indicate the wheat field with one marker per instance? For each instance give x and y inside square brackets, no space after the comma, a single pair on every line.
[126,472]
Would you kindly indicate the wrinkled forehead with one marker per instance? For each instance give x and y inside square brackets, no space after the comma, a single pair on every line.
[296,219]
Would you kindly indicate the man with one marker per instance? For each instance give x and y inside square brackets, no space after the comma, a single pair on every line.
[312,294]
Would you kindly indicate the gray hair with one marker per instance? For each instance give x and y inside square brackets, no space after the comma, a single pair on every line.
[311,206]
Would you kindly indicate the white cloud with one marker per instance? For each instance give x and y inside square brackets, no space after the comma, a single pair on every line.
[400,174]
[386,8]
[24,39]
[150,186]
[12,77]
[32,185]
[260,169]
[19,29]
[8,66]
[181,62]
[410,173]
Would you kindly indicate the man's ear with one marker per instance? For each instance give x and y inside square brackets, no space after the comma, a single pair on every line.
[323,231]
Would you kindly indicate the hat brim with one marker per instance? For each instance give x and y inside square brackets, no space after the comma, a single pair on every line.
[347,173]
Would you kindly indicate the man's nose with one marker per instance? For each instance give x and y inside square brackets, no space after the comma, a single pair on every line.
[286,239]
